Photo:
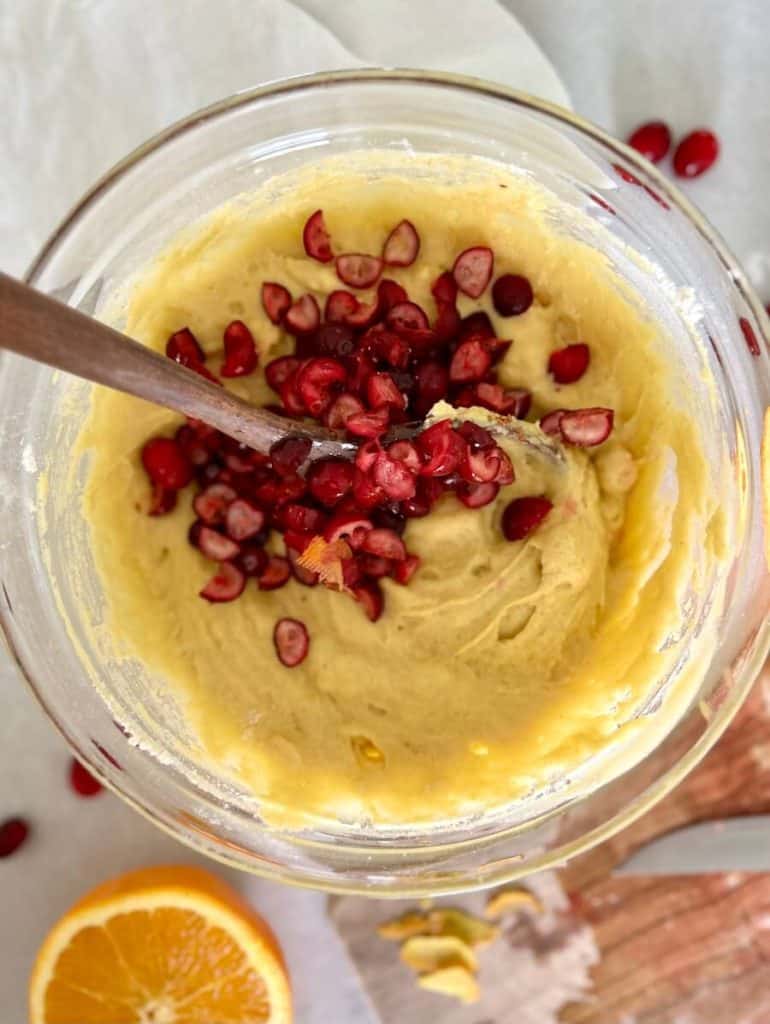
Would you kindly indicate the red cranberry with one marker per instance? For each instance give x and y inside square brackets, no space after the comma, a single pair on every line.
[329,480]
[523,515]
[696,153]
[13,833]
[82,781]
[652,140]
[166,464]
[512,295]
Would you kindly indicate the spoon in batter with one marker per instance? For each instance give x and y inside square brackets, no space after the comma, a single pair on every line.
[34,325]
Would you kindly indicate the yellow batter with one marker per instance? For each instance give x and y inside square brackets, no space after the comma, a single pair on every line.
[501,664]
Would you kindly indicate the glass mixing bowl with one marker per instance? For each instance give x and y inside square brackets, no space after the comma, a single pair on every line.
[699,292]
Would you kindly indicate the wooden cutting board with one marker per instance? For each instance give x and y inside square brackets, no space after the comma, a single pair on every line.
[685,949]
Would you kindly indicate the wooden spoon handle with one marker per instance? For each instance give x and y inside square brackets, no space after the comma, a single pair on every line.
[39,327]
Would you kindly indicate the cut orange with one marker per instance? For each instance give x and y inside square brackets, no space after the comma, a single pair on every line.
[165,945]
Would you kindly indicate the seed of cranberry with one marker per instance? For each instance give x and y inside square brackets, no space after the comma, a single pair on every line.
[13,833]
[512,295]
[166,464]
[652,140]
[523,515]
[329,480]
[288,454]
[82,781]
[696,153]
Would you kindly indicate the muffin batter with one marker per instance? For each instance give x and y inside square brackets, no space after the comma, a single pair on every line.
[503,664]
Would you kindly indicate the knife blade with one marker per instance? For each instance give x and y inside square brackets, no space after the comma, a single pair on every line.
[730,844]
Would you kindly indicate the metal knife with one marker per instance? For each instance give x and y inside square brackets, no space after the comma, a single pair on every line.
[731,844]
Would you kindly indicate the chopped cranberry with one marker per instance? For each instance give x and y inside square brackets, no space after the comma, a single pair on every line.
[290,488]
[329,480]
[652,140]
[211,504]
[243,520]
[480,466]
[303,316]
[166,464]
[342,408]
[240,352]
[476,325]
[696,153]
[384,544]
[405,451]
[276,573]
[252,561]
[184,349]
[447,324]
[444,289]
[381,390]
[297,540]
[403,571]
[373,566]
[163,501]
[471,361]
[472,270]
[350,526]
[278,371]
[475,435]
[215,545]
[276,301]
[390,294]
[441,448]
[316,239]
[193,446]
[393,477]
[292,642]
[289,454]
[367,453]
[335,340]
[369,595]
[369,424]
[586,427]
[366,492]
[315,382]
[523,515]
[290,396]
[82,781]
[306,577]
[407,316]
[340,305]
[750,336]
[567,365]
[492,396]
[497,348]
[432,382]
[550,423]
[13,833]
[401,246]
[512,295]
[301,518]
[476,495]
[390,515]
[358,269]
[227,584]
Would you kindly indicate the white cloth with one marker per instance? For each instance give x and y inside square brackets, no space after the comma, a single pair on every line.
[83,82]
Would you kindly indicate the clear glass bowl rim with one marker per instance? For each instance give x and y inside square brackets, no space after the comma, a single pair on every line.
[522,100]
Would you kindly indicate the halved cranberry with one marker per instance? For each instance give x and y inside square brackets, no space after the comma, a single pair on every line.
[384,544]
[405,451]
[369,424]
[586,427]
[252,561]
[13,833]
[473,269]
[390,294]
[276,573]
[476,495]
[512,295]
[316,239]
[301,518]
[315,382]
[749,336]
[226,584]
[163,501]
[166,464]
[441,449]
[373,566]
[652,140]
[82,781]
[393,477]
[407,316]
[366,492]
[696,153]
[350,526]
[275,301]
[184,349]
[339,305]
[211,504]
[303,316]
[369,595]
[342,408]
[471,361]
[364,315]
[358,269]
[243,520]
[215,545]
[567,365]
[278,371]
[381,390]
[401,246]
[444,289]
[432,382]
[549,423]
[306,577]
[291,642]
[240,352]
[480,466]
[523,515]
[367,454]
[288,454]
[329,480]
